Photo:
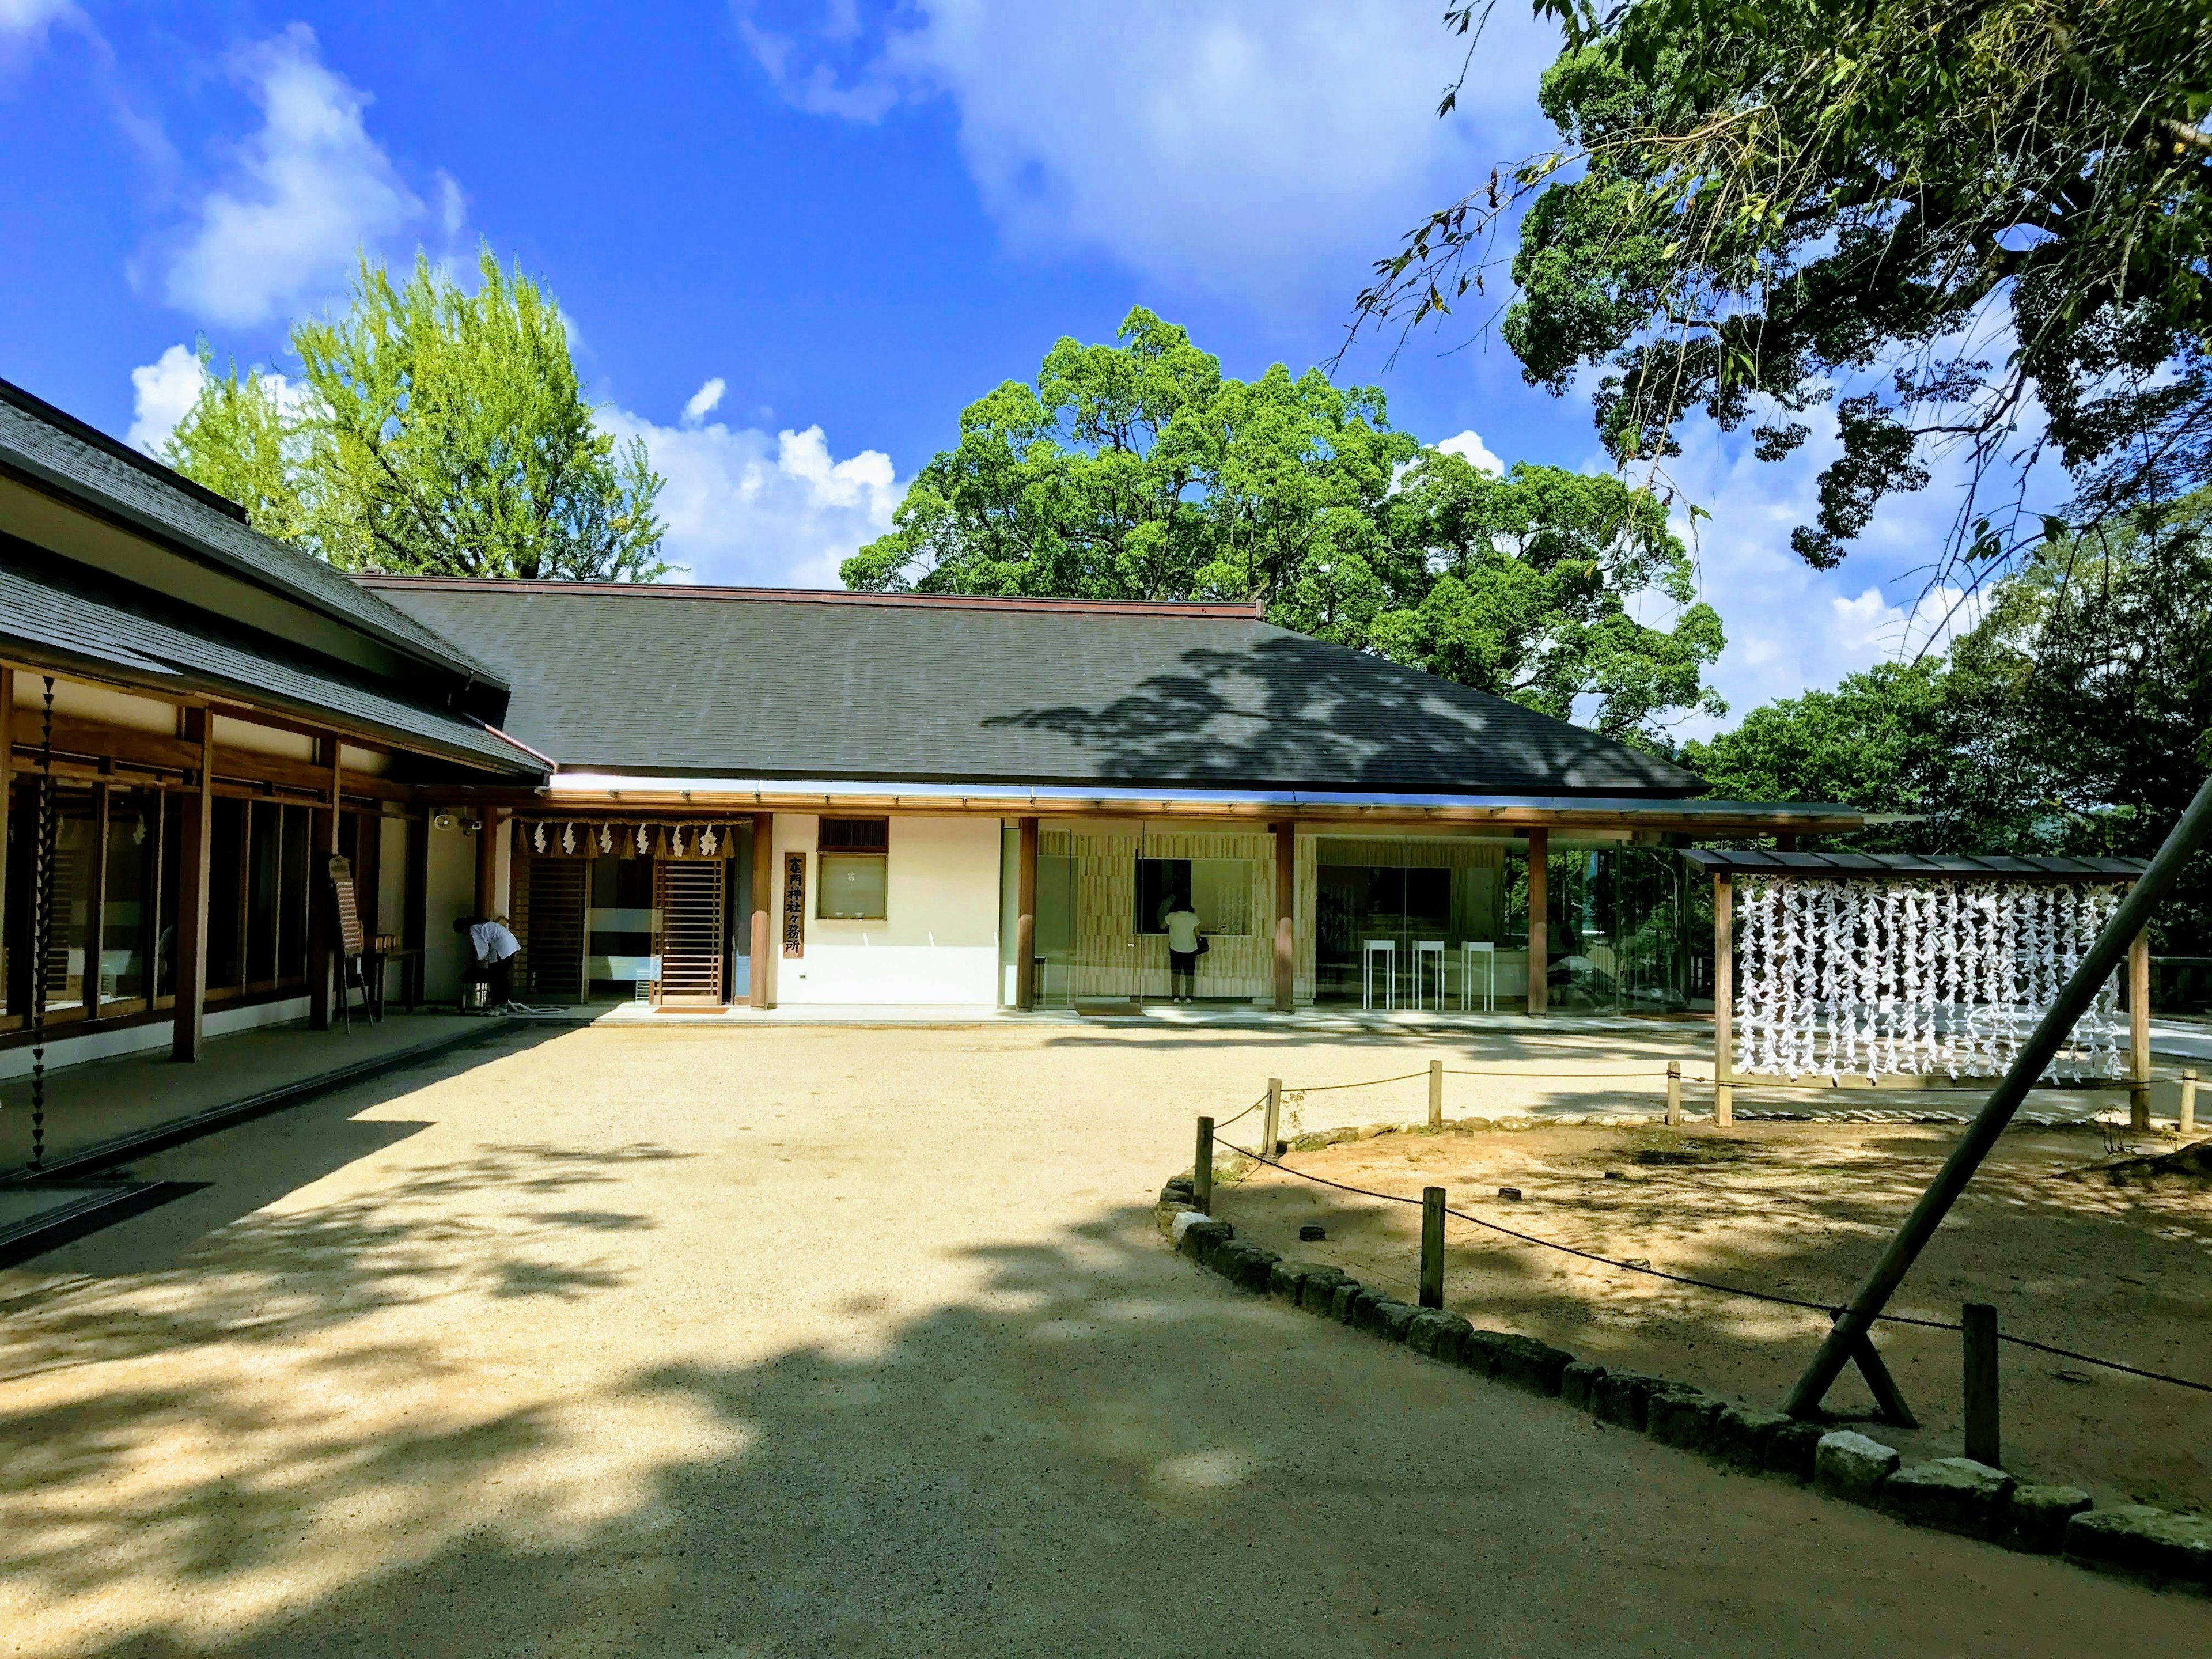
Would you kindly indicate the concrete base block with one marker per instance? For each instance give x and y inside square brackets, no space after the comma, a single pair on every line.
[1438,1335]
[2035,1520]
[1741,1436]
[1620,1396]
[1343,1302]
[1578,1384]
[1791,1448]
[1317,1287]
[1682,1420]
[1953,1494]
[2143,1543]
[1848,1466]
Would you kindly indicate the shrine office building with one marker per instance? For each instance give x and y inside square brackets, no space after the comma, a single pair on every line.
[688,799]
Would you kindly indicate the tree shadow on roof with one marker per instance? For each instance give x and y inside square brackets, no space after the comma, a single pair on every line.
[1292,712]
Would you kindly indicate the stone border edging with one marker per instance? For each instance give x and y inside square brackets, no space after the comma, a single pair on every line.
[1951,1494]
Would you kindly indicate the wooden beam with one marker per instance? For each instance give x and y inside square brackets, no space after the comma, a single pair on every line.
[2139,1030]
[415,900]
[1723,996]
[96,740]
[757,991]
[488,823]
[1286,917]
[322,900]
[193,863]
[1540,926]
[1025,900]
[95,922]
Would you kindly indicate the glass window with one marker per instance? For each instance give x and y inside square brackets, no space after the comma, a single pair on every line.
[261,889]
[133,832]
[620,924]
[1221,892]
[1163,885]
[292,902]
[227,891]
[853,886]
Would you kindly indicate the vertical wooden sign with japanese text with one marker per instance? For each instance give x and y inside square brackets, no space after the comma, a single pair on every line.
[794,904]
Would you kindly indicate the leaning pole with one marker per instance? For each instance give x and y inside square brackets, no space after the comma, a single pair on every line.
[1851,1328]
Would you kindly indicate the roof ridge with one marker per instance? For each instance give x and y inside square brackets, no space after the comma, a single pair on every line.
[31,404]
[1252,610]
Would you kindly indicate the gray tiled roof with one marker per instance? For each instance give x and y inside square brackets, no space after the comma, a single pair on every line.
[728,683]
[44,444]
[61,613]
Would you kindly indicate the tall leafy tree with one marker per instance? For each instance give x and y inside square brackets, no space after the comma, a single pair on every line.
[432,431]
[1947,214]
[1139,471]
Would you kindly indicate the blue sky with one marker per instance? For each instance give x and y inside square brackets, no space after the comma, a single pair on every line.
[795,237]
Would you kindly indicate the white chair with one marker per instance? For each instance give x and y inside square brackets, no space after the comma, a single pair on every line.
[1388,949]
[1423,948]
[1469,950]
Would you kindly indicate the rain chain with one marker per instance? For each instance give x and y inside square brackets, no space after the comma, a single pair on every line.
[1845,977]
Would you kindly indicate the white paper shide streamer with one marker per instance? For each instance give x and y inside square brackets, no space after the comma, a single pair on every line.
[1919,978]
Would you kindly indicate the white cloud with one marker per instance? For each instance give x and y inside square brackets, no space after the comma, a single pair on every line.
[26,21]
[1251,146]
[161,393]
[705,401]
[744,507]
[1469,446]
[311,187]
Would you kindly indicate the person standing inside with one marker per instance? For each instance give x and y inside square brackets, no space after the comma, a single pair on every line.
[493,946]
[1183,945]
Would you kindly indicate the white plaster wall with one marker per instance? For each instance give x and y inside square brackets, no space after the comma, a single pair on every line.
[938,944]
[452,884]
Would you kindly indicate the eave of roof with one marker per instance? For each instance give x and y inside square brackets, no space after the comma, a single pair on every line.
[1963,868]
[1253,611]
[53,451]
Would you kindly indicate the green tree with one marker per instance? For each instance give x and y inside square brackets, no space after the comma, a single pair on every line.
[435,431]
[1138,470]
[1953,210]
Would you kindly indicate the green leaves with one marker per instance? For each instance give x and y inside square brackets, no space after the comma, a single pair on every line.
[1138,470]
[435,431]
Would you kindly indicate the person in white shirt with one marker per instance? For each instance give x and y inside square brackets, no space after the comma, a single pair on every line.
[493,948]
[1182,927]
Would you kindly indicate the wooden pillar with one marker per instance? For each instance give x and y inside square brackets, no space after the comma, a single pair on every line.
[1025,901]
[1539,926]
[95,920]
[195,859]
[322,904]
[763,933]
[2139,1030]
[1786,841]
[1286,916]
[1724,995]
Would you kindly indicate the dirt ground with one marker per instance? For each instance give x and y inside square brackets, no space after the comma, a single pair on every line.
[2123,1272]
[855,1342]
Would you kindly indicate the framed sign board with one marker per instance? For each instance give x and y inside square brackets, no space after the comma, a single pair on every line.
[350,938]
[794,904]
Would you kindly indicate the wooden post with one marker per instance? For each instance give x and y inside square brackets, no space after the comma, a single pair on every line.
[1723,996]
[2188,1125]
[1673,1091]
[1435,1097]
[1286,925]
[1271,1126]
[1202,1169]
[1980,1333]
[322,904]
[487,860]
[1432,1247]
[2139,1030]
[95,922]
[194,860]
[763,938]
[1025,903]
[1539,926]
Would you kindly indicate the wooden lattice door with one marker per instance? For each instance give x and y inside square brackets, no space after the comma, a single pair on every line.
[553,931]
[687,893]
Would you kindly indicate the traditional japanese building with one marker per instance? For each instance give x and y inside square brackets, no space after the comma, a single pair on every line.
[696,797]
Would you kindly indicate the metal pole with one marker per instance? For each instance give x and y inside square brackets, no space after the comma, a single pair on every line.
[1838,1347]
[1978,1327]
[1271,1127]
[1202,1169]
[1432,1247]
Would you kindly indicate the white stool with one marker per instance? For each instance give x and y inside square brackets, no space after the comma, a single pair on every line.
[1388,949]
[1488,951]
[1423,949]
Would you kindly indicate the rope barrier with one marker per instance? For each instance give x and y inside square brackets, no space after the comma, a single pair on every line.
[1833,1312]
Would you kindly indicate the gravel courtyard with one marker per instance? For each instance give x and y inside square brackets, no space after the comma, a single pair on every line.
[851,1341]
